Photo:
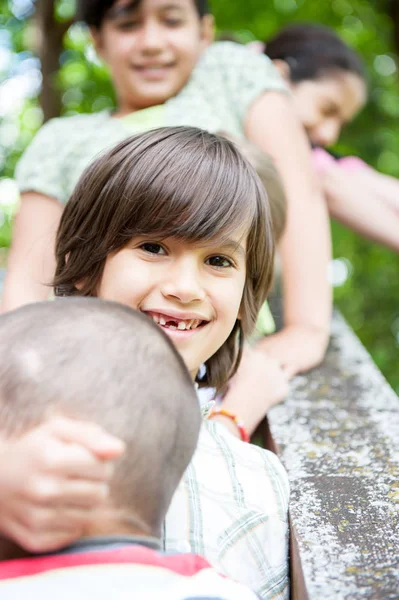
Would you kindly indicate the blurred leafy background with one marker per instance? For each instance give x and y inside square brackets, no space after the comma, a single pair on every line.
[69,79]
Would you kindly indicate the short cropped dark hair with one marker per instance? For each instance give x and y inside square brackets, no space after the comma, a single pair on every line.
[100,361]
[93,12]
[312,51]
[179,182]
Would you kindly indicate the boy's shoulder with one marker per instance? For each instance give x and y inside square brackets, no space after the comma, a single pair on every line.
[75,123]
[134,566]
[226,81]
[239,62]
[69,130]
[61,149]
[231,53]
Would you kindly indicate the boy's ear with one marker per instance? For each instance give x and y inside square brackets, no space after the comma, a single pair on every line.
[283,67]
[207,30]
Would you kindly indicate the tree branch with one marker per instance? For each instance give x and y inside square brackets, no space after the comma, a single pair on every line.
[51,46]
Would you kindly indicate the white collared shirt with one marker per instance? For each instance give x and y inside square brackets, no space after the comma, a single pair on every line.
[232,508]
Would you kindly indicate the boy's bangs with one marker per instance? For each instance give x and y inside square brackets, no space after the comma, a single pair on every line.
[199,200]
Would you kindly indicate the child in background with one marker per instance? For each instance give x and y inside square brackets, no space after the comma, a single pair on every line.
[193,249]
[166,72]
[65,373]
[328,84]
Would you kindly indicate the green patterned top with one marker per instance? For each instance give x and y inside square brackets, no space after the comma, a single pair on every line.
[226,81]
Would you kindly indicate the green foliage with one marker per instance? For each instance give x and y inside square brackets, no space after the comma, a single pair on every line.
[368,298]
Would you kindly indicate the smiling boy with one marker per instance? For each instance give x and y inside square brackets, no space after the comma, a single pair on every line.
[187,293]
[151,47]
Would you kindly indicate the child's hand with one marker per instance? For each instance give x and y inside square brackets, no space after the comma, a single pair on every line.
[259,384]
[297,348]
[50,480]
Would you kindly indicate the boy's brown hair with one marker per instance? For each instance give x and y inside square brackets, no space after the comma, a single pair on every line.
[177,182]
[100,361]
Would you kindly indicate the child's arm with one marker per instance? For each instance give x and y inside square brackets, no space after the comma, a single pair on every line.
[50,480]
[259,384]
[31,261]
[306,246]
[40,177]
[358,199]
[386,186]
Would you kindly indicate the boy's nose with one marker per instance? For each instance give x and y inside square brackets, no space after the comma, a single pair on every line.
[151,38]
[184,286]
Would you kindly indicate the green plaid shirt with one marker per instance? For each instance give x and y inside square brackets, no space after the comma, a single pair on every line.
[232,508]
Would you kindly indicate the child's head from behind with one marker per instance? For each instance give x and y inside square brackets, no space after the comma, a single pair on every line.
[150,46]
[272,181]
[102,362]
[175,223]
[326,76]
[269,176]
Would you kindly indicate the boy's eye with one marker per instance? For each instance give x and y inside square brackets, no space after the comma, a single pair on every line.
[127,25]
[219,261]
[152,248]
[173,22]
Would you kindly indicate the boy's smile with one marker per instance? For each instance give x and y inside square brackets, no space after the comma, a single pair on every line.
[151,49]
[192,291]
[174,321]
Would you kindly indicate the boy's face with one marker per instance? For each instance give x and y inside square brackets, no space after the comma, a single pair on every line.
[151,50]
[193,291]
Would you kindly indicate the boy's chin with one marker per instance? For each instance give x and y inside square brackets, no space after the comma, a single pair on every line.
[154,93]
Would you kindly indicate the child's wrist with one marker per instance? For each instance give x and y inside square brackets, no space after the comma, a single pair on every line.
[236,425]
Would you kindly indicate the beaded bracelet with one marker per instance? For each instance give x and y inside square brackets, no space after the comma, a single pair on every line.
[239,424]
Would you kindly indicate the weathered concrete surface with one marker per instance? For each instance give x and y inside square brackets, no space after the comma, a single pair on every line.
[338,436]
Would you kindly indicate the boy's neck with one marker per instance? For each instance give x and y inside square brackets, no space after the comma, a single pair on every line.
[105,524]
[111,541]
[113,522]
[11,551]
[119,113]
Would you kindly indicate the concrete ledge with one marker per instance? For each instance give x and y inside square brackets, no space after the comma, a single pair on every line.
[338,437]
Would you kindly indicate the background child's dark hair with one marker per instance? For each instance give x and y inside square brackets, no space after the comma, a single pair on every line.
[312,51]
[178,182]
[100,361]
[93,12]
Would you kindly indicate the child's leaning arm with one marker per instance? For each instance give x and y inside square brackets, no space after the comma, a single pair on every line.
[31,261]
[306,245]
[364,201]
[258,385]
[51,478]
